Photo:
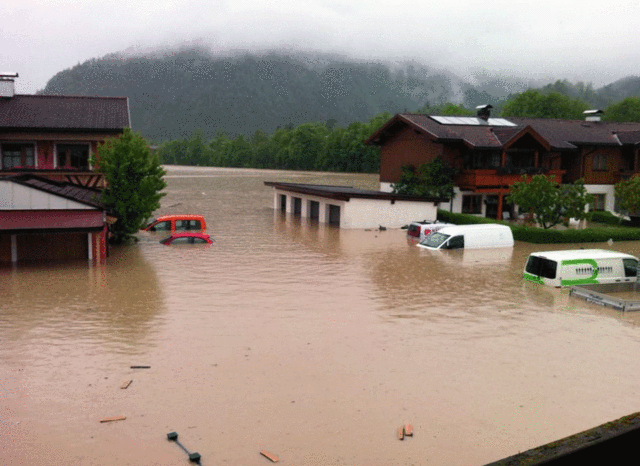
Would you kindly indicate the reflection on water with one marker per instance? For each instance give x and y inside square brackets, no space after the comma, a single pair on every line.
[305,340]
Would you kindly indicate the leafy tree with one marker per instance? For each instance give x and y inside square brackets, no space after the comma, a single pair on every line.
[628,195]
[536,104]
[432,179]
[549,203]
[627,110]
[134,182]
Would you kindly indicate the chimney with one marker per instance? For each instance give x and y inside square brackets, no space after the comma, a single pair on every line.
[7,85]
[592,115]
[484,112]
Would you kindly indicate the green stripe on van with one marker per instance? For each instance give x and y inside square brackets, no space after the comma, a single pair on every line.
[581,281]
[532,278]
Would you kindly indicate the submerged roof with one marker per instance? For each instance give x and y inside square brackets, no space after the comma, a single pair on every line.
[344,193]
[54,112]
[495,133]
[581,254]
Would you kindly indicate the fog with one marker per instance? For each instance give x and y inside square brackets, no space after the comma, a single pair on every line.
[581,41]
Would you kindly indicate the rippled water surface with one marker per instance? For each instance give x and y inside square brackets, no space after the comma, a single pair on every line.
[304,340]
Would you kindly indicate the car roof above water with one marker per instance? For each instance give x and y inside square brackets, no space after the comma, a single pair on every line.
[581,254]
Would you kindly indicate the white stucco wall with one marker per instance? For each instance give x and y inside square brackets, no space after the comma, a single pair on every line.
[607,189]
[14,196]
[362,213]
[386,187]
[372,213]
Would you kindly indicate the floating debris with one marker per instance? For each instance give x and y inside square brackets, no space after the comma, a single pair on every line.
[408,430]
[271,456]
[112,419]
[193,457]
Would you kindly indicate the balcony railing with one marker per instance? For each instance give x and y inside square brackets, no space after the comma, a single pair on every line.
[501,176]
[81,177]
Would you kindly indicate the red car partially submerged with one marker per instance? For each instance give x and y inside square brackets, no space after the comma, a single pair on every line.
[187,238]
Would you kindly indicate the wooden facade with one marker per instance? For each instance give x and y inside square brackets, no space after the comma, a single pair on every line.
[490,155]
[49,188]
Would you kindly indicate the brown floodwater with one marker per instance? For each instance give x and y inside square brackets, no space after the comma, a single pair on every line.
[308,341]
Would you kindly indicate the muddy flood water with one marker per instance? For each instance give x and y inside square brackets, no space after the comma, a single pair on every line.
[307,341]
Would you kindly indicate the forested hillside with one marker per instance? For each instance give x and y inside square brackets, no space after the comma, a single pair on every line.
[174,93]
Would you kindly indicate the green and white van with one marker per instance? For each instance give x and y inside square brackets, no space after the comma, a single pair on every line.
[580,267]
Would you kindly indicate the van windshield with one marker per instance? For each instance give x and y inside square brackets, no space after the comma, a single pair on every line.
[435,240]
[541,267]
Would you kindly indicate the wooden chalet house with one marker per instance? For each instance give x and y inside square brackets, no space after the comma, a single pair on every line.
[49,191]
[491,154]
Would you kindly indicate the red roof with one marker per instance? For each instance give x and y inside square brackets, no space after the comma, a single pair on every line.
[52,112]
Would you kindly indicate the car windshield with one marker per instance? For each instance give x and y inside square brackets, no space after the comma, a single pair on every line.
[435,240]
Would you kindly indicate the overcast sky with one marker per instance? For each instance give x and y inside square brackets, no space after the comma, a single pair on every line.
[591,41]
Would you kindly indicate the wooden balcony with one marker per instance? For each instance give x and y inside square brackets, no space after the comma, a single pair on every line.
[489,178]
[88,178]
[624,175]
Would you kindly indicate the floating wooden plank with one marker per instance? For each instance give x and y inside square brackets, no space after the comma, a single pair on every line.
[140,367]
[408,430]
[126,384]
[271,456]
[400,433]
[111,419]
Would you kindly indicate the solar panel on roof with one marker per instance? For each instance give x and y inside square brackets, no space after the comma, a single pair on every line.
[471,121]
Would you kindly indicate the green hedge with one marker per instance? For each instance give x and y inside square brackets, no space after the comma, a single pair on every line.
[541,236]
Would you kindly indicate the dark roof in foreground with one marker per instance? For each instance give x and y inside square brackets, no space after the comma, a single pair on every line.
[82,194]
[345,193]
[558,134]
[54,112]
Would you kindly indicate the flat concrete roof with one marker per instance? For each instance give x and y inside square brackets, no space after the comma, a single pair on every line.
[344,193]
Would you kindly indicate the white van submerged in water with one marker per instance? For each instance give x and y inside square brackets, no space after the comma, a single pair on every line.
[580,267]
[485,235]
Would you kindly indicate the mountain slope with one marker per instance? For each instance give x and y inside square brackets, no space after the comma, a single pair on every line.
[173,94]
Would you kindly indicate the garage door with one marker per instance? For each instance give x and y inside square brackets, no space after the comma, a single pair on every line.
[52,246]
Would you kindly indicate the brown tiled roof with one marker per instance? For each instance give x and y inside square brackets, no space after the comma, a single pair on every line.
[559,134]
[629,137]
[52,112]
[568,134]
[70,191]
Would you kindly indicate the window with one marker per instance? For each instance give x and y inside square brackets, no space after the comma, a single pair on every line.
[521,158]
[598,202]
[482,160]
[630,267]
[541,267]
[162,226]
[182,240]
[73,156]
[18,155]
[472,204]
[600,162]
[435,240]
[188,225]
[457,242]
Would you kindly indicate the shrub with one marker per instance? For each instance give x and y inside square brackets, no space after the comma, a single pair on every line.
[536,235]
